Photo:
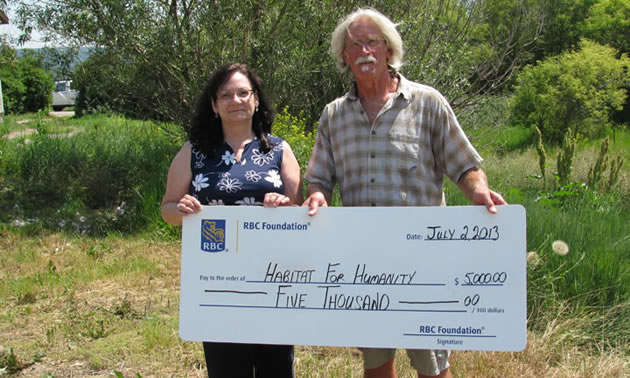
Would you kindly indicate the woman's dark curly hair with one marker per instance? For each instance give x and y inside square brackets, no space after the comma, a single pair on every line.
[206,133]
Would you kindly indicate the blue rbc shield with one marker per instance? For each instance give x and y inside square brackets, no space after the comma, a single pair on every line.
[212,235]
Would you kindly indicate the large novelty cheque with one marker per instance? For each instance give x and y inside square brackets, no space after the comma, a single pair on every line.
[404,277]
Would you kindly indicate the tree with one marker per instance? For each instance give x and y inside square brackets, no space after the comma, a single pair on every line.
[60,61]
[576,90]
[164,50]
[3,16]
[504,41]
[26,86]
[98,81]
[561,26]
[3,20]
[608,23]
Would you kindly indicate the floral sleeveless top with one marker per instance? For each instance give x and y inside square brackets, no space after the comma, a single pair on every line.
[224,181]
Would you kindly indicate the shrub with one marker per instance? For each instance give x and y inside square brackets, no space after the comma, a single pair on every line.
[108,177]
[577,90]
[294,130]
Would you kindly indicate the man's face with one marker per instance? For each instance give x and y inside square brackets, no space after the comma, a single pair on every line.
[365,51]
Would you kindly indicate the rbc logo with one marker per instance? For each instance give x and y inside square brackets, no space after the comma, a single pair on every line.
[212,235]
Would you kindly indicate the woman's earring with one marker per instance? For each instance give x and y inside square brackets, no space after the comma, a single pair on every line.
[256,111]
[216,115]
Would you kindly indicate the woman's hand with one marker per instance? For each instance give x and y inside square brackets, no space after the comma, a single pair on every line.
[275,200]
[188,205]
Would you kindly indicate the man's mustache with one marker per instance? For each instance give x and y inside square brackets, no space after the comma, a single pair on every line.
[365,59]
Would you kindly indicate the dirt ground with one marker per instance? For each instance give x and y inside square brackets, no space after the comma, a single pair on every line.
[29,130]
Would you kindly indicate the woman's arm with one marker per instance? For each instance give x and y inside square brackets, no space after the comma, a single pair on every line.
[177,202]
[292,180]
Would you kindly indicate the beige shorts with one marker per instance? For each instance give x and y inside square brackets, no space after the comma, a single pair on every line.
[426,361]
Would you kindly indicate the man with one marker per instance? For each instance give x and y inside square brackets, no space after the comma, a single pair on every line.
[389,142]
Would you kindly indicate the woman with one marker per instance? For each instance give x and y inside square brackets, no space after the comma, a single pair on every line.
[232,159]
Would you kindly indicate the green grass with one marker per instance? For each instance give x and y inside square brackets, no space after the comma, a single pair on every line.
[94,286]
[485,124]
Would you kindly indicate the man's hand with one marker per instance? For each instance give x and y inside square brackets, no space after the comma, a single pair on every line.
[314,202]
[489,199]
[474,185]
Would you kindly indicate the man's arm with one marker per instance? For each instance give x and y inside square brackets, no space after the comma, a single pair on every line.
[474,184]
[317,196]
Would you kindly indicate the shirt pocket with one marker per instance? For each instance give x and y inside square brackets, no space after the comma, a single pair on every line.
[406,147]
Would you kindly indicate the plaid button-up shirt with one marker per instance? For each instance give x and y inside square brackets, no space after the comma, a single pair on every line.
[399,160]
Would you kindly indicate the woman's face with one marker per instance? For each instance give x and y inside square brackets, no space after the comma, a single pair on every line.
[235,100]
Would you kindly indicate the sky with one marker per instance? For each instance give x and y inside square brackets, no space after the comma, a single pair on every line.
[12,33]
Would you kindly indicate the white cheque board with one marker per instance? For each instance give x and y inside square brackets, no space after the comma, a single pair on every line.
[403,277]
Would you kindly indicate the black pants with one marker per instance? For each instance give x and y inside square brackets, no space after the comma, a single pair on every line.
[230,360]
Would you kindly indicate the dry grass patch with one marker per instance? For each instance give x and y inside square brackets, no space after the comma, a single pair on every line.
[112,305]
[543,357]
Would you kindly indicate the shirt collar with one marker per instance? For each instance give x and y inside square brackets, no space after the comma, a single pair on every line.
[403,89]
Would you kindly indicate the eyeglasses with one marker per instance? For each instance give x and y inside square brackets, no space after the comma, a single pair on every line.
[370,44]
[242,94]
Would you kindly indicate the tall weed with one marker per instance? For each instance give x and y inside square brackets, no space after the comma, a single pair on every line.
[592,280]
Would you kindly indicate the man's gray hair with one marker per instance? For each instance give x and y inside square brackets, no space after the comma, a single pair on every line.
[387,27]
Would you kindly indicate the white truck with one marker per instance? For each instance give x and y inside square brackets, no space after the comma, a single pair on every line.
[64,95]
